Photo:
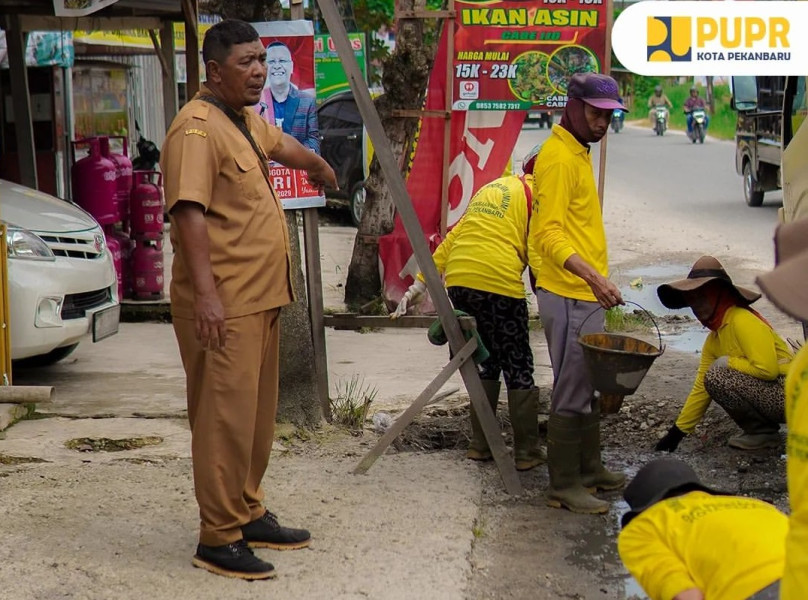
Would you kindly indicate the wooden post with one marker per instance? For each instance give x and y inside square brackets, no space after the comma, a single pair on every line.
[607,68]
[21,102]
[296,9]
[415,234]
[170,101]
[190,10]
[314,293]
[314,280]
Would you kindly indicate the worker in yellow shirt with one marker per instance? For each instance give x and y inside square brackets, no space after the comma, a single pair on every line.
[787,288]
[682,540]
[568,257]
[743,360]
[483,258]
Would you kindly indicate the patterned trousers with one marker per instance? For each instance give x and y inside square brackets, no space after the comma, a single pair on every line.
[502,323]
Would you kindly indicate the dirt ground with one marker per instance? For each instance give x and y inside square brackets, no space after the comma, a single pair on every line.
[424,522]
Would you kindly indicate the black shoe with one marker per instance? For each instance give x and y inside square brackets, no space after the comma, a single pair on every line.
[232,560]
[266,532]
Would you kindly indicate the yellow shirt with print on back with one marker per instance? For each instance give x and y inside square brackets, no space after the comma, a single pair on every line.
[795,580]
[487,249]
[729,547]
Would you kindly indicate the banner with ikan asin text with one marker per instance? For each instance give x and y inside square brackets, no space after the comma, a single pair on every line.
[520,54]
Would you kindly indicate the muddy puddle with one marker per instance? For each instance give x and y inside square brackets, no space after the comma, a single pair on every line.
[685,335]
[598,551]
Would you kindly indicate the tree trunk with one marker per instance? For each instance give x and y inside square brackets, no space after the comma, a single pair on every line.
[299,401]
[406,74]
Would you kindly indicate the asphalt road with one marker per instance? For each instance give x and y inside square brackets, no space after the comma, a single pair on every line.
[668,184]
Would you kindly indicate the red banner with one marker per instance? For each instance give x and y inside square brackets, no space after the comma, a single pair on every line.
[481,146]
[519,54]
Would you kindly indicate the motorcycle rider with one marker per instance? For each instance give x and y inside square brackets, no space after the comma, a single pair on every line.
[692,103]
[658,99]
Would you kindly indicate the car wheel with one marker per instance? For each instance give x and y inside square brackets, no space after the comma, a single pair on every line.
[357,202]
[752,196]
[45,360]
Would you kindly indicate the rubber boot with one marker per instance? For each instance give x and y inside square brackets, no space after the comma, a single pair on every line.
[593,474]
[758,431]
[523,406]
[478,446]
[564,465]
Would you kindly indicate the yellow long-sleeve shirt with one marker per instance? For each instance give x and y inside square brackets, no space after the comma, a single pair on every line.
[753,348]
[567,217]
[487,249]
[795,580]
[729,547]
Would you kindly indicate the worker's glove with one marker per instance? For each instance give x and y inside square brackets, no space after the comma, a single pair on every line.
[670,442]
[722,361]
[411,297]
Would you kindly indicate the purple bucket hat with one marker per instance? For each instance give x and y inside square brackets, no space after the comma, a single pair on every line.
[595,89]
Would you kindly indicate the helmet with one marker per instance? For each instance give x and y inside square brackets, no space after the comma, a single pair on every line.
[530,159]
[658,90]
[693,88]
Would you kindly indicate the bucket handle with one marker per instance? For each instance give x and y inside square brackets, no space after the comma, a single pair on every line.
[650,316]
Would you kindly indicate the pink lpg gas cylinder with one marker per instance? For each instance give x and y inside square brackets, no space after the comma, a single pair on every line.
[116,236]
[114,246]
[146,206]
[147,270]
[123,167]
[95,183]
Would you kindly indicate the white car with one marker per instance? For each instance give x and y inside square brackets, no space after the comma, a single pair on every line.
[61,277]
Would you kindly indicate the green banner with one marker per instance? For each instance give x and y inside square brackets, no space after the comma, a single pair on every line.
[329,76]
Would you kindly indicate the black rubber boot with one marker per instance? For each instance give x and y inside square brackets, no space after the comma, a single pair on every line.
[593,474]
[523,406]
[564,465]
[478,447]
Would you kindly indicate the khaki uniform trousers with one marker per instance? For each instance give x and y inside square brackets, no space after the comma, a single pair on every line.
[232,402]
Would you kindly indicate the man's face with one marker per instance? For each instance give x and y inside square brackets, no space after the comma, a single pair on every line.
[241,76]
[279,61]
[694,93]
[598,120]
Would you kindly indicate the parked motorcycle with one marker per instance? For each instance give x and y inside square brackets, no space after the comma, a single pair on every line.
[617,120]
[699,127]
[661,123]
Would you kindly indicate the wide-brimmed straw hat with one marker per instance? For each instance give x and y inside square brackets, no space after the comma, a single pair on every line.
[656,481]
[787,285]
[703,271]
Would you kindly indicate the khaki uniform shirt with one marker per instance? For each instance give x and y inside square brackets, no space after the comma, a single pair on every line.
[206,159]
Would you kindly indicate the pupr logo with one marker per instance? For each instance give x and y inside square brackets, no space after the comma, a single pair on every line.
[669,39]
[688,37]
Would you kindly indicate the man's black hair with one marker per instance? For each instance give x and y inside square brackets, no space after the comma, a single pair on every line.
[223,36]
[276,44]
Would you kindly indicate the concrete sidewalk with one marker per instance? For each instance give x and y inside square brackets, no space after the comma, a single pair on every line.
[102,525]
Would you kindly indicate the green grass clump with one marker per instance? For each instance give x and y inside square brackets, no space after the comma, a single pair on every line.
[352,402]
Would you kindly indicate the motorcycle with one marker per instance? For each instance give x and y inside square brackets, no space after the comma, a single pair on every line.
[699,126]
[661,123]
[617,120]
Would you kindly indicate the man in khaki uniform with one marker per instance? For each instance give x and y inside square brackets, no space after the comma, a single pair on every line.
[231,275]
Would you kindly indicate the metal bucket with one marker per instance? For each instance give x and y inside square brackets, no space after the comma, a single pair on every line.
[617,363]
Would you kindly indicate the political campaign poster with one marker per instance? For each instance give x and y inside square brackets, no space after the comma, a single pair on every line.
[288,101]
